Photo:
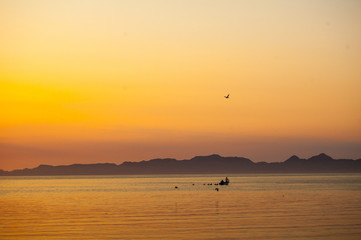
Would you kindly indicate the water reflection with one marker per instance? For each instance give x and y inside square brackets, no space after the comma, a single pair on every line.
[251,207]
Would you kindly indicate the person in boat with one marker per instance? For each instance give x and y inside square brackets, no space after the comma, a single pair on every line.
[227,180]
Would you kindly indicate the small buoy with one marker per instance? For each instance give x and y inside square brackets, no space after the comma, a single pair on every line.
[175,187]
[217,189]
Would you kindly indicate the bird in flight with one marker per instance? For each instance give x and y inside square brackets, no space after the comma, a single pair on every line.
[227,96]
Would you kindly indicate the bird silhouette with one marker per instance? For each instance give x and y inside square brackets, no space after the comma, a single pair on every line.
[227,96]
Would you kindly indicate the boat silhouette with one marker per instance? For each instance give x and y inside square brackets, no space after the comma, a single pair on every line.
[224,182]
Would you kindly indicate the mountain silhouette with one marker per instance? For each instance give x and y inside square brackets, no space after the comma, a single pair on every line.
[211,164]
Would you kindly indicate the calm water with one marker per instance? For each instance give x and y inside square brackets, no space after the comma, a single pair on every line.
[310,206]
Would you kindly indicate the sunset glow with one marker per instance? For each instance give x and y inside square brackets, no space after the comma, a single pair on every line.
[113,81]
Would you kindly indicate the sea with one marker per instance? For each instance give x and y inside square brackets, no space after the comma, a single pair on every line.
[252,206]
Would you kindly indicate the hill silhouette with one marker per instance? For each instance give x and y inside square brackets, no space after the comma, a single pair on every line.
[321,163]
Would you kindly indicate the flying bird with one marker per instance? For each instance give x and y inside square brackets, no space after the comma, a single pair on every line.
[227,96]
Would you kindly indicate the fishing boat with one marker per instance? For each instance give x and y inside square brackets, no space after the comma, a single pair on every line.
[224,182]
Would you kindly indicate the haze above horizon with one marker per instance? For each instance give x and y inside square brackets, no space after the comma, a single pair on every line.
[112,81]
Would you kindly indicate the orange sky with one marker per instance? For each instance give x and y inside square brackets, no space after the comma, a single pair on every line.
[113,81]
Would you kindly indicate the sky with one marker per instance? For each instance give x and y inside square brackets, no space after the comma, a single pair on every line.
[111,81]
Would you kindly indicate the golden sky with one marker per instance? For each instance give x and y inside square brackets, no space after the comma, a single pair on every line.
[112,81]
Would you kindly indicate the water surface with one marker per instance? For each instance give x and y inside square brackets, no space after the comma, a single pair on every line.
[294,206]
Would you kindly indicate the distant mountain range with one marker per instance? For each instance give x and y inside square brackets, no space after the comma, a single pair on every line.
[200,164]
